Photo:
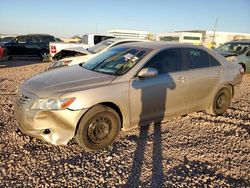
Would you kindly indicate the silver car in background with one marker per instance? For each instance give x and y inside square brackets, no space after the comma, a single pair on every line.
[64,58]
[126,86]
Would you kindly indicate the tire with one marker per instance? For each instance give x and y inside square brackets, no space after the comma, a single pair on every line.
[98,128]
[221,102]
[44,56]
[243,66]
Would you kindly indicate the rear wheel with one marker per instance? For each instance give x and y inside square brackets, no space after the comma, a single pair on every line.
[98,128]
[221,102]
[243,66]
[44,56]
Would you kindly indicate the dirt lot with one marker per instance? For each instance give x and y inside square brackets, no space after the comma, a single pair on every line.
[196,150]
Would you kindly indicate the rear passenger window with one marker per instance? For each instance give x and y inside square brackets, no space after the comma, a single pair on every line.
[46,39]
[213,62]
[166,61]
[43,39]
[197,58]
[34,39]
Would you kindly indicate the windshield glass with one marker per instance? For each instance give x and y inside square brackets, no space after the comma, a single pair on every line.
[116,61]
[100,46]
[234,48]
[7,39]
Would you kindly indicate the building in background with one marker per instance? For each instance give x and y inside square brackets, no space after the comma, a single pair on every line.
[182,37]
[74,39]
[213,39]
[134,34]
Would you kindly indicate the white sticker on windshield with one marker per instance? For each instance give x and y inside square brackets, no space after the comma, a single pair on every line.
[130,57]
[134,59]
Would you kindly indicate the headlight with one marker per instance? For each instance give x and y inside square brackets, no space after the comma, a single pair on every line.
[59,64]
[52,104]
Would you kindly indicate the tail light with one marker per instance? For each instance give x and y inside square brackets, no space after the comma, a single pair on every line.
[1,52]
[53,49]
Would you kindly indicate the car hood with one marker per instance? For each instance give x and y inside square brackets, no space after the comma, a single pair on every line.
[75,58]
[57,82]
[78,49]
[79,59]
[67,51]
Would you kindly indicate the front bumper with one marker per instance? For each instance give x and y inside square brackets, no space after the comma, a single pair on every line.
[56,127]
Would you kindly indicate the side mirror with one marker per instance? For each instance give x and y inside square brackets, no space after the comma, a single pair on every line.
[148,73]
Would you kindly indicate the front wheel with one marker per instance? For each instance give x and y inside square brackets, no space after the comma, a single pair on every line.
[98,128]
[220,102]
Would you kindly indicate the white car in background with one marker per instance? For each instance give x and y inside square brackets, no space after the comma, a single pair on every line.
[88,40]
[81,55]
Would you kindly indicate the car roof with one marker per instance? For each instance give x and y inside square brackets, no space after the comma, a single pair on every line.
[123,39]
[239,42]
[36,35]
[157,45]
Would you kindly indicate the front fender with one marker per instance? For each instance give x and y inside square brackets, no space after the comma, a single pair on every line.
[117,94]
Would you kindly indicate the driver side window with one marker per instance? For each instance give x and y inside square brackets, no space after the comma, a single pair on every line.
[21,39]
[166,61]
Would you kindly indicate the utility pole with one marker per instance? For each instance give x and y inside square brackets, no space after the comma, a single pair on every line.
[214,30]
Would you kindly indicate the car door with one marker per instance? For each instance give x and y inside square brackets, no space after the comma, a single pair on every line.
[32,45]
[203,77]
[43,45]
[16,46]
[164,95]
[12,47]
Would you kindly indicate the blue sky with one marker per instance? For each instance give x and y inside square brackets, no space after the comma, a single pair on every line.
[65,18]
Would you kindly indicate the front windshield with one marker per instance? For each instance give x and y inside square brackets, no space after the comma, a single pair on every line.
[234,48]
[116,61]
[100,46]
[7,39]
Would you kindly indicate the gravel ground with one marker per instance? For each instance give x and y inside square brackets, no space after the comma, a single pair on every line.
[198,150]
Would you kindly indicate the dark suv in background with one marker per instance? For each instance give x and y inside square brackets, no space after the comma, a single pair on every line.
[29,45]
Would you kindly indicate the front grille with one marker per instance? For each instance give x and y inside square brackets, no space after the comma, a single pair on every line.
[22,100]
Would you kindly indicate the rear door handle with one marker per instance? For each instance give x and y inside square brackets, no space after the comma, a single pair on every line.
[220,72]
[181,79]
